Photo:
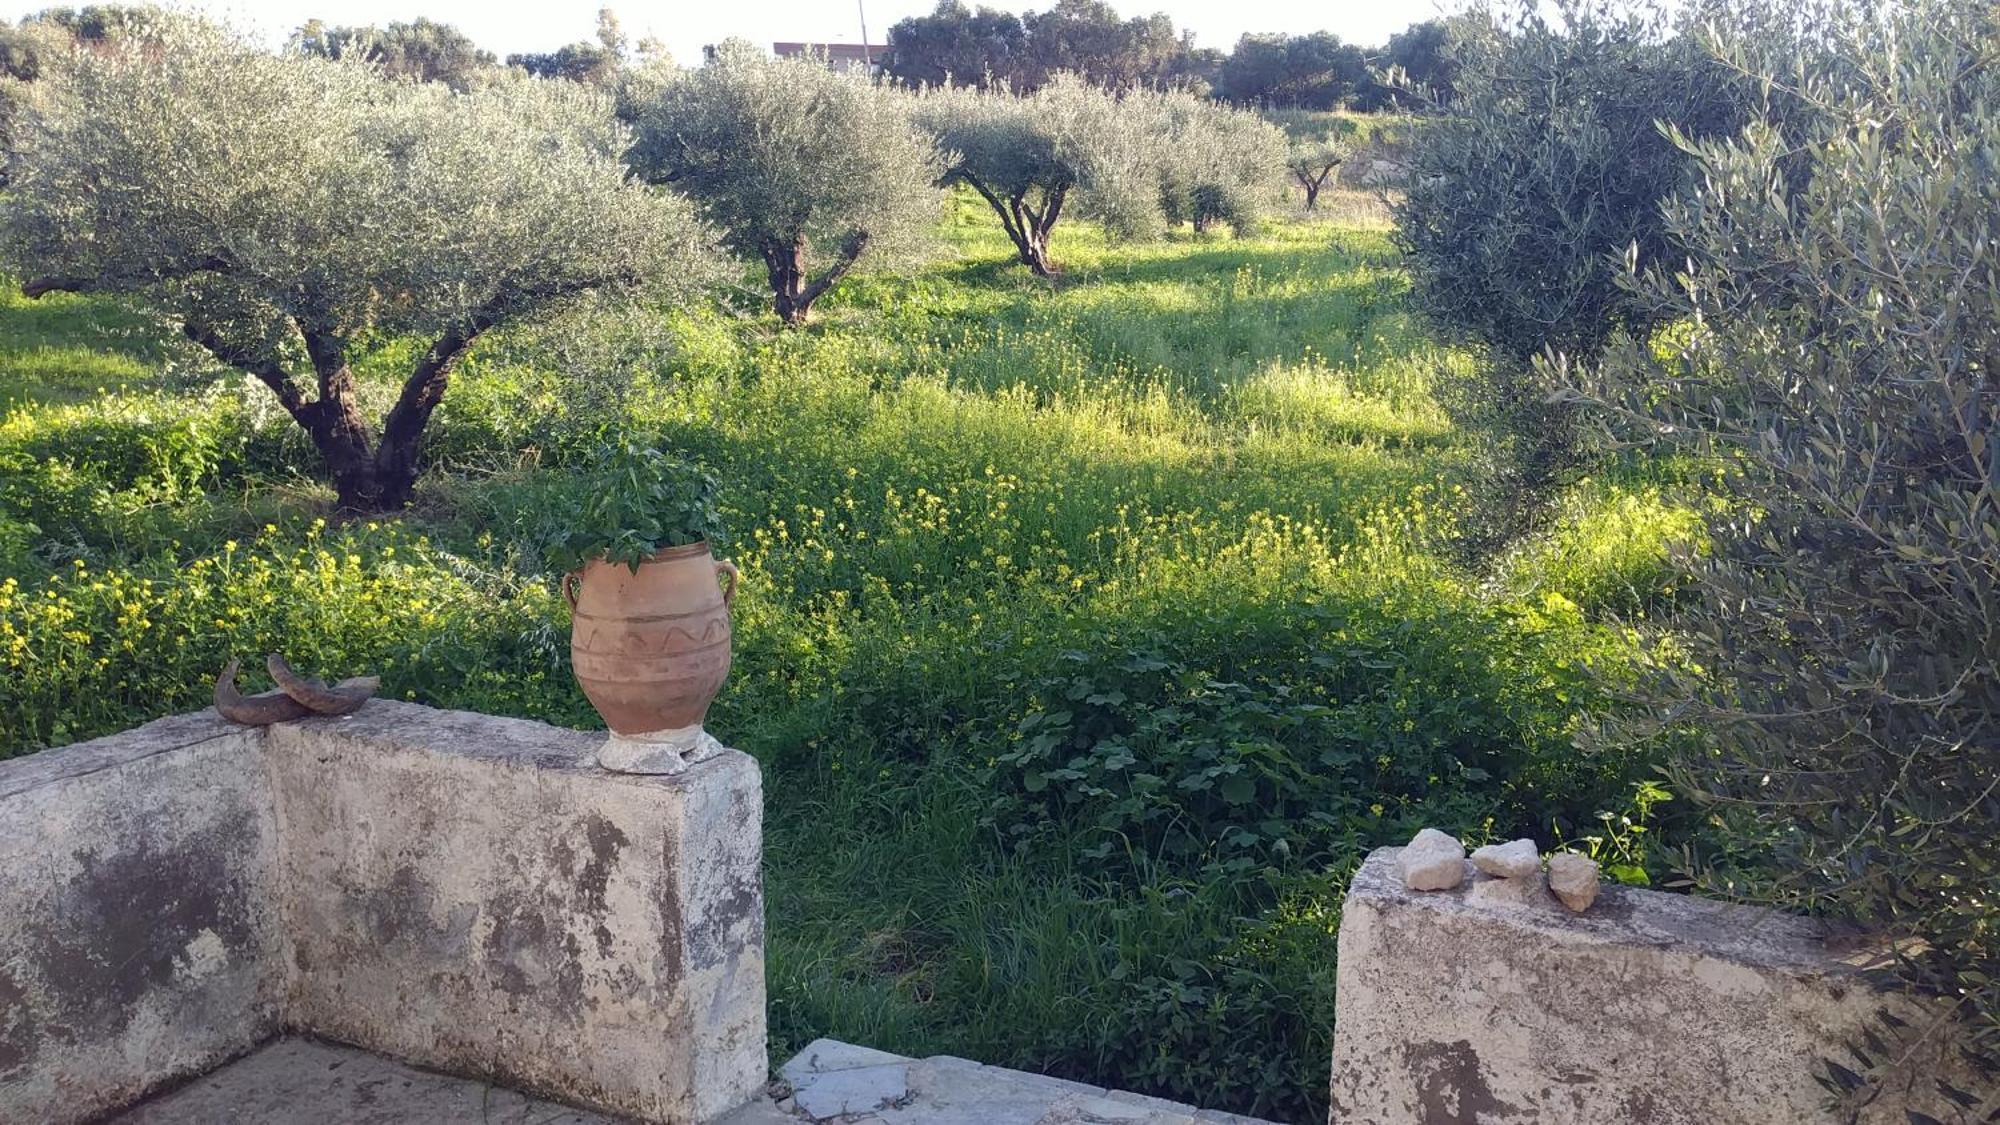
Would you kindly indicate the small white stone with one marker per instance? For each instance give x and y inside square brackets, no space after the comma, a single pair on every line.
[1573,878]
[1516,859]
[1432,861]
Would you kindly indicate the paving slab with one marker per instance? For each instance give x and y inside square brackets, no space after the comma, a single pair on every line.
[763,1111]
[305,1082]
[860,1090]
[1147,1101]
[834,1083]
[1077,1109]
[823,1056]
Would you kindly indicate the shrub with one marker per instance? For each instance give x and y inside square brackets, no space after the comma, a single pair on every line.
[1200,752]
[953,45]
[1619,544]
[1420,64]
[1842,295]
[1547,176]
[636,501]
[1315,71]
[797,163]
[134,469]
[1530,196]
[453,213]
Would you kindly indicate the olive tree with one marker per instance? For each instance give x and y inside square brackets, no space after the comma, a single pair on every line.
[1838,297]
[1216,164]
[1315,145]
[420,50]
[282,208]
[1031,156]
[1526,202]
[51,32]
[805,169]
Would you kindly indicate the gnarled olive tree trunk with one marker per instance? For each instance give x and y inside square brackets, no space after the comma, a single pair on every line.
[1028,227]
[1314,182]
[792,294]
[370,472]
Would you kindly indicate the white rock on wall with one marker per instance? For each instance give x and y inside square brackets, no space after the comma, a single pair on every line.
[1434,861]
[1516,859]
[1573,878]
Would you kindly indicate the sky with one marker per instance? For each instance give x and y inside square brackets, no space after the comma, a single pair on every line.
[685,26]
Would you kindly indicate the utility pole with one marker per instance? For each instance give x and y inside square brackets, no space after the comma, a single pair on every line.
[862,7]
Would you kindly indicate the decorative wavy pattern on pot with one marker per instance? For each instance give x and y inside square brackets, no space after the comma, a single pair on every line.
[651,647]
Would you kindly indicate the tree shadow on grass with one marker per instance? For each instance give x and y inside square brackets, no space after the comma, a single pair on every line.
[62,347]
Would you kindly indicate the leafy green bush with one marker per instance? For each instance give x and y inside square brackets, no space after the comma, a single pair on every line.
[127,470]
[18,539]
[1616,545]
[1527,200]
[1213,762]
[159,445]
[1199,748]
[635,500]
[1842,297]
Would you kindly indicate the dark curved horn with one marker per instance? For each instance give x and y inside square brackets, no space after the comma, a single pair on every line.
[343,698]
[257,710]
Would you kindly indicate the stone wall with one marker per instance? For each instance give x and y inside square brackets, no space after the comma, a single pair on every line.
[139,935]
[1655,1009]
[464,892]
[470,893]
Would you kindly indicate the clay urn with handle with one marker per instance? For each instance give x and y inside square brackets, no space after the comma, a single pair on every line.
[650,644]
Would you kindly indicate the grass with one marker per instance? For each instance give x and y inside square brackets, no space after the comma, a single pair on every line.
[68,348]
[1090,633]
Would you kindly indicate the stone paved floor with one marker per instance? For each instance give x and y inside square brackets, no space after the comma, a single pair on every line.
[304,1082]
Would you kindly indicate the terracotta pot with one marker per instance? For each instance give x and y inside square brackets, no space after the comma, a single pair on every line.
[651,647]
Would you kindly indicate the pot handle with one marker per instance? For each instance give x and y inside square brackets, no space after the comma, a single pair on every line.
[572,583]
[722,567]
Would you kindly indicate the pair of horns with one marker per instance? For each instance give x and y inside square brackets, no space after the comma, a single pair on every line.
[297,696]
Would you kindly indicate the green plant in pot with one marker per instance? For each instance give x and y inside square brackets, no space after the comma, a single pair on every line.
[649,604]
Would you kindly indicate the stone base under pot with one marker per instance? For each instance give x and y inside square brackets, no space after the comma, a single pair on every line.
[657,752]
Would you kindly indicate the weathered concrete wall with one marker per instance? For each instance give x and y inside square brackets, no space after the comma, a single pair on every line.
[139,932]
[472,894]
[1650,1008]
[465,892]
